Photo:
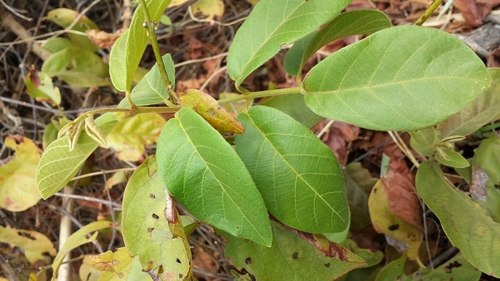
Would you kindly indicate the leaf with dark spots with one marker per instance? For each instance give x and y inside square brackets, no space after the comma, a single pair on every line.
[393,227]
[449,267]
[290,258]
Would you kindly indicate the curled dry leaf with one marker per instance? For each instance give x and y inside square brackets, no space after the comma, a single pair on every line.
[102,38]
[208,108]
[474,11]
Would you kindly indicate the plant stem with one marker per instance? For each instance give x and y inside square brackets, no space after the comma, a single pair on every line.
[262,94]
[129,100]
[428,12]
[151,31]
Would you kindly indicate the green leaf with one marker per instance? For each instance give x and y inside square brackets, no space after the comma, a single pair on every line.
[56,44]
[33,243]
[145,229]
[346,24]
[483,109]
[77,239]
[77,66]
[487,160]
[451,158]
[393,271]
[298,176]
[295,106]
[18,190]
[58,164]
[474,234]
[65,17]
[456,269]
[128,49]
[359,183]
[203,172]
[151,89]
[131,135]
[271,24]
[39,85]
[401,78]
[289,258]
[423,141]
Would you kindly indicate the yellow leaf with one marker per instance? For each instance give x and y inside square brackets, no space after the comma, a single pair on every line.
[209,8]
[33,243]
[118,177]
[175,3]
[131,135]
[18,190]
[385,221]
[208,108]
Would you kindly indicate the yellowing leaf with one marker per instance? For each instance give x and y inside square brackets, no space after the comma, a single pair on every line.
[33,243]
[118,177]
[175,3]
[77,239]
[18,190]
[131,135]
[65,17]
[39,86]
[209,8]
[208,108]
[385,221]
[111,265]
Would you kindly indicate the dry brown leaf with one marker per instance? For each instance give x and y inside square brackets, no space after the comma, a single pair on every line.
[474,11]
[403,200]
[102,38]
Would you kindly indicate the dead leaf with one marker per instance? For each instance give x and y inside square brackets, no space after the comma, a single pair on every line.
[403,200]
[474,11]
[403,235]
[102,38]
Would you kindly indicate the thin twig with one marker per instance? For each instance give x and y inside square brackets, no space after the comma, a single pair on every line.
[428,12]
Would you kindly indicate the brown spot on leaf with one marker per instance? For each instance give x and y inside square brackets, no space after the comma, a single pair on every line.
[393,227]
[248,260]
[450,266]
[155,216]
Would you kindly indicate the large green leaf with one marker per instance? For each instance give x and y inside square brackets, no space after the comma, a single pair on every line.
[271,24]
[295,106]
[298,176]
[145,229]
[128,49]
[204,173]
[58,164]
[400,78]
[483,109]
[465,223]
[346,24]
[290,258]
[151,89]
